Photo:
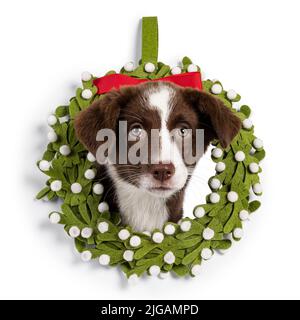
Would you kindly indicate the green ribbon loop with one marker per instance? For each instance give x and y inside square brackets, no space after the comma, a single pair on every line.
[149,40]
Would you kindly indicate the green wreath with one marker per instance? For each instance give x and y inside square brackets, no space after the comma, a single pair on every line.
[181,247]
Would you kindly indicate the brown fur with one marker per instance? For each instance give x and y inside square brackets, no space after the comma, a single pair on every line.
[196,109]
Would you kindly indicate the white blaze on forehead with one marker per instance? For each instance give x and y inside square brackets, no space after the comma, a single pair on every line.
[161,98]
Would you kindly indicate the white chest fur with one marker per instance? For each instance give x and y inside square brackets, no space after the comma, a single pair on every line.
[139,209]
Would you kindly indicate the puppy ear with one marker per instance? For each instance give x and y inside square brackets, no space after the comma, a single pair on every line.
[222,122]
[101,114]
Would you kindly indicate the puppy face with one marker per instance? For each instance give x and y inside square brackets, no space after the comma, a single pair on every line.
[163,115]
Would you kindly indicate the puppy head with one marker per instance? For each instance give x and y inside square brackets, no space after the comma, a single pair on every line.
[168,113]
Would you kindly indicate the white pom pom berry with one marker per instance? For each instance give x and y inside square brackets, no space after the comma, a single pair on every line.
[220,166]
[149,67]
[196,270]
[54,217]
[258,143]
[199,212]
[98,188]
[217,153]
[154,270]
[247,124]
[56,185]
[185,226]
[129,66]
[91,157]
[90,174]
[169,257]
[176,70]
[238,233]
[65,150]
[206,254]
[239,156]
[208,234]
[76,187]
[74,232]
[135,241]
[216,88]
[192,68]
[231,94]
[128,255]
[52,136]
[257,188]
[86,76]
[124,234]
[157,237]
[103,207]
[86,255]
[44,165]
[214,197]
[104,259]
[103,226]
[244,215]
[215,183]
[86,94]
[232,196]
[253,167]
[169,229]
[86,232]
[52,120]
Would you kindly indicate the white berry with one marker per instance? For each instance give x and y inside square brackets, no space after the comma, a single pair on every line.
[169,257]
[133,279]
[76,187]
[154,270]
[157,237]
[231,94]
[90,174]
[86,76]
[192,68]
[104,259]
[98,188]
[239,156]
[74,232]
[135,241]
[56,185]
[176,70]
[54,217]
[238,233]
[208,234]
[247,124]
[257,188]
[124,234]
[103,227]
[196,270]
[232,196]
[217,153]
[86,255]
[214,197]
[86,232]
[86,94]
[44,165]
[216,88]
[103,207]
[169,229]
[149,67]
[91,157]
[52,136]
[199,212]
[65,150]
[185,226]
[220,166]
[258,143]
[206,253]
[244,215]
[164,275]
[128,255]
[253,167]
[52,120]
[129,66]
[215,183]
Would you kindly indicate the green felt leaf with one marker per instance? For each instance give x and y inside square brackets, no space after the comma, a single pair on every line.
[245,110]
[254,205]
[186,61]
[62,111]
[260,155]
[42,193]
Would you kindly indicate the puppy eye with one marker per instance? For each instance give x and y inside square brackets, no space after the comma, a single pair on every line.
[136,131]
[183,131]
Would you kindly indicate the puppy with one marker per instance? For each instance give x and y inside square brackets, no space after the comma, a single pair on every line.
[149,193]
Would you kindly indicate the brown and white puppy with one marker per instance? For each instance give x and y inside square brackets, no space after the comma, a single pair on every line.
[149,194]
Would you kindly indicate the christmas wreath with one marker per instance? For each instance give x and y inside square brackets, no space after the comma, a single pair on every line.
[99,234]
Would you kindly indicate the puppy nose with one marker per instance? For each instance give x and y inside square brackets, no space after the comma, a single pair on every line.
[162,172]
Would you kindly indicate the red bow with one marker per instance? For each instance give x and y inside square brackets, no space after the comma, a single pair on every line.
[115,81]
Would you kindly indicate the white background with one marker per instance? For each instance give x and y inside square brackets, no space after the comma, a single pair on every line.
[251,46]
